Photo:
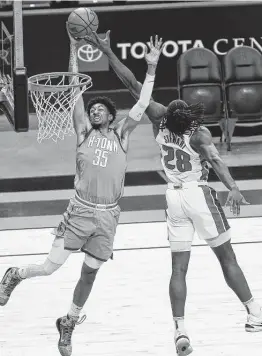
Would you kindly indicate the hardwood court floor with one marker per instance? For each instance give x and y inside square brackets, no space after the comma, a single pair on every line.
[128,312]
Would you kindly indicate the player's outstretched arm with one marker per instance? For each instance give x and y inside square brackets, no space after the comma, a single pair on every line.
[80,119]
[128,124]
[155,111]
[202,143]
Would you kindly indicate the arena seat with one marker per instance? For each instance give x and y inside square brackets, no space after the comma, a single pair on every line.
[243,84]
[243,79]
[200,80]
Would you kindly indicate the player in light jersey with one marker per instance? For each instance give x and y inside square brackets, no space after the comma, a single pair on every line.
[92,215]
[180,161]
[186,146]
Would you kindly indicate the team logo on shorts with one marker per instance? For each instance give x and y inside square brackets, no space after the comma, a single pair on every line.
[61,229]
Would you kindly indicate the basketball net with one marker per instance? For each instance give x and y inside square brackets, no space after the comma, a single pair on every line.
[6,86]
[54,96]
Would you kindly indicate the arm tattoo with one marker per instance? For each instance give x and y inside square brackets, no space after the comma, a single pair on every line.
[80,166]
[73,61]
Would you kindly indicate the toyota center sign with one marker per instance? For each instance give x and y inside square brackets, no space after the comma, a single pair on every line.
[217,28]
[174,48]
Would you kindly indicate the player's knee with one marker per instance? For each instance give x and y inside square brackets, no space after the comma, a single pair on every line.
[50,267]
[180,246]
[222,240]
[88,274]
[225,253]
[92,262]
[180,262]
[178,270]
[90,269]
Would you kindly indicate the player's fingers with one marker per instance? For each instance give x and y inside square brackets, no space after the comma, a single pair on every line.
[234,207]
[238,209]
[228,201]
[145,50]
[244,202]
[89,40]
[68,31]
[162,46]
[160,43]
[95,36]
[151,42]
[156,41]
[108,34]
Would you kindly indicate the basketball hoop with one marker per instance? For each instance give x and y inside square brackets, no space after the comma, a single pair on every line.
[54,96]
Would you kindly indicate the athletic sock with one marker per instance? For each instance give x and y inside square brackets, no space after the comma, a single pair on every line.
[253,308]
[74,311]
[179,325]
[31,271]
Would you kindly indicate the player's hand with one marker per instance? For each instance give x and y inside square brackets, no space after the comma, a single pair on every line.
[72,39]
[235,199]
[156,47]
[102,44]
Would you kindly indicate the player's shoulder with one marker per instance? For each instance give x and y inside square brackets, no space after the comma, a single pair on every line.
[160,131]
[201,136]
[156,113]
[202,133]
[156,110]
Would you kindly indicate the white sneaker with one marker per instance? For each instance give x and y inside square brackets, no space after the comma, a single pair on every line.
[183,346]
[253,324]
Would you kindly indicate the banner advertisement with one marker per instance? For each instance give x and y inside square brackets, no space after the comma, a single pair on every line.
[216,28]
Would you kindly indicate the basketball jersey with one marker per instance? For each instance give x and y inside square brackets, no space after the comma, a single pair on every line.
[101,164]
[180,162]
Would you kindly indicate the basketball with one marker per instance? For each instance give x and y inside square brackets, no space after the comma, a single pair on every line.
[82,21]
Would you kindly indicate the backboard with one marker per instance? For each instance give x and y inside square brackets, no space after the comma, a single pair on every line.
[13,75]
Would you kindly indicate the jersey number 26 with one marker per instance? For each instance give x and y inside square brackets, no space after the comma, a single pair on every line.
[182,159]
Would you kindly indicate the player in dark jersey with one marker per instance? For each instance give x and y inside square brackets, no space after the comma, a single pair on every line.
[90,221]
[179,120]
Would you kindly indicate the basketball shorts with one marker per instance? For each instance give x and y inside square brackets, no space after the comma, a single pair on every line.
[88,229]
[191,208]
